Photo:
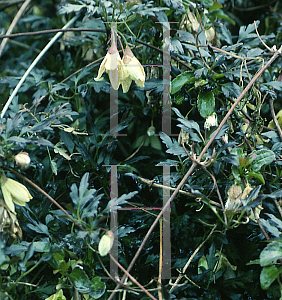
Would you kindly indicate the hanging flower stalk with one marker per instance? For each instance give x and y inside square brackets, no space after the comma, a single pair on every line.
[133,70]
[112,65]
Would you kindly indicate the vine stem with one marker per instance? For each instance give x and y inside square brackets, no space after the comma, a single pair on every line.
[13,24]
[132,278]
[32,33]
[275,119]
[194,164]
[191,258]
[34,63]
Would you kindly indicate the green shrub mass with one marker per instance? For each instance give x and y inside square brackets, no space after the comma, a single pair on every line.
[140,149]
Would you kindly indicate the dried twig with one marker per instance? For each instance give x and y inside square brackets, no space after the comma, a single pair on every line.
[275,119]
[190,259]
[132,278]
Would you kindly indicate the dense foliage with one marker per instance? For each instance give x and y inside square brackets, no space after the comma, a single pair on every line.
[69,172]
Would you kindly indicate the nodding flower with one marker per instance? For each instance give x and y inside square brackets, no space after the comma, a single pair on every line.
[133,70]
[14,192]
[112,65]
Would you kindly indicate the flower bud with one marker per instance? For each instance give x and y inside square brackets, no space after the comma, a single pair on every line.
[211,121]
[23,160]
[151,131]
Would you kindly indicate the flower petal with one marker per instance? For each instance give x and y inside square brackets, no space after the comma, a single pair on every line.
[113,61]
[114,78]
[102,68]
[126,83]
[140,83]
[136,70]
[18,191]
[8,198]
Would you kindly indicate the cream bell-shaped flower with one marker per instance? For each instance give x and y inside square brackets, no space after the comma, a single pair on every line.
[22,159]
[112,65]
[14,192]
[133,70]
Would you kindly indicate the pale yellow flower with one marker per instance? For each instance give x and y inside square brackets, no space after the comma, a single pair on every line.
[211,121]
[133,70]
[14,192]
[112,65]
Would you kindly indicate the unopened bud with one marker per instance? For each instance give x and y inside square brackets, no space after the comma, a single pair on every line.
[23,160]
[151,131]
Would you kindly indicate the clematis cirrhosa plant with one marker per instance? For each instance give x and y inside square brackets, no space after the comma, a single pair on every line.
[14,192]
[112,65]
[133,70]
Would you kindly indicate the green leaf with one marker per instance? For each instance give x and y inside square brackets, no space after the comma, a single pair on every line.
[187,123]
[245,32]
[80,280]
[54,167]
[275,84]
[206,103]
[269,227]
[270,253]
[221,132]
[172,145]
[62,152]
[268,275]
[98,287]
[119,201]
[58,296]
[231,89]
[83,185]
[264,157]
[275,220]
[180,80]
[256,175]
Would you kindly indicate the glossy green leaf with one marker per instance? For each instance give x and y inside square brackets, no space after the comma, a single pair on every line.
[58,296]
[256,175]
[179,81]
[80,280]
[206,103]
[264,157]
[270,253]
[268,275]
[98,287]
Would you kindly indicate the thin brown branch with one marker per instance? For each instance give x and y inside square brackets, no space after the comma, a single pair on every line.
[254,7]
[259,223]
[160,186]
[132,278]
[9,4]
[161,51]
[191,258]
[10,36]
[86,29]
[275,119]
[13,24]
[194,165]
